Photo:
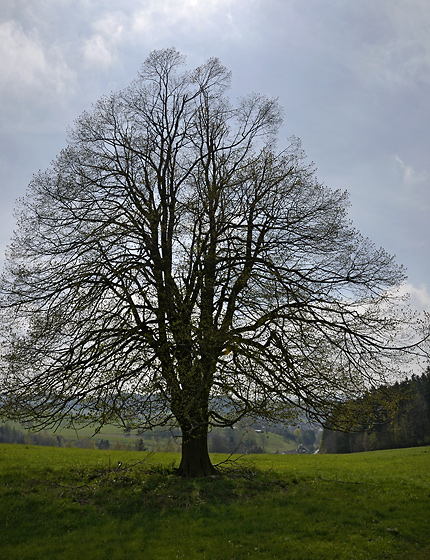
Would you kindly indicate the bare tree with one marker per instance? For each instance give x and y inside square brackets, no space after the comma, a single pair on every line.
[173,267]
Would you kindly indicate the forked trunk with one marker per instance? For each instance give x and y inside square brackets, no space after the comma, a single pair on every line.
[195,461]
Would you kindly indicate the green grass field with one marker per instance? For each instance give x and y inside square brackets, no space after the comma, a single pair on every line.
[78,503]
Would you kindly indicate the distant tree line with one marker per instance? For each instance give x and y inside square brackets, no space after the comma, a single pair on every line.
[9,434]
[378,427]
[246,438]
[229,440]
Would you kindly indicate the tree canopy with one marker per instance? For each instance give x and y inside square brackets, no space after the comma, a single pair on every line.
[173,266]
[374,426]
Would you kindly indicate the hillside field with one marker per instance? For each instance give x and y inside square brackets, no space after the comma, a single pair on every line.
[244,439]
[73,503]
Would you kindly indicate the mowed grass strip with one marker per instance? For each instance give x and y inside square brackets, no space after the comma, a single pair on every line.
[79,503]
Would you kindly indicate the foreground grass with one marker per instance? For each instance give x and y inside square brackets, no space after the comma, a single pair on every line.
[76,503]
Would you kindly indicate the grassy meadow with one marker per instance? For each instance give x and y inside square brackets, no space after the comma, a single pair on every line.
[84,503]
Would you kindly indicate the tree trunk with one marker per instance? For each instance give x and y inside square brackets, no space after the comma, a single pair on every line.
[195,461]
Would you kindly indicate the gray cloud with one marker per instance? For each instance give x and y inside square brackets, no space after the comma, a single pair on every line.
[353,77]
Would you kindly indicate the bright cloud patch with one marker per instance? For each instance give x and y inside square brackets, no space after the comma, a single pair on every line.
[411,177]
[100,49]
[419,297]
[97,53]
[158,17]
[25,65]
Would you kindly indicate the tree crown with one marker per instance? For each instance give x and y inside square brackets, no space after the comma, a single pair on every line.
[173,265]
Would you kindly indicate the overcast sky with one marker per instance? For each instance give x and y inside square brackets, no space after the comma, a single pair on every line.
[353,77]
